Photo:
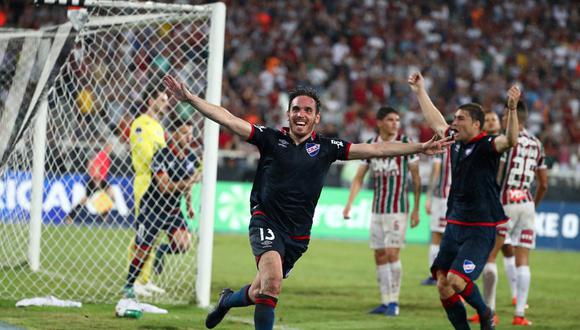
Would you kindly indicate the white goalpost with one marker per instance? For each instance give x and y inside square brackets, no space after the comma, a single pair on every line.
[68,98]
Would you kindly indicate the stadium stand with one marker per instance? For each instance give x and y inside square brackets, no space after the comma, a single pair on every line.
[358,55]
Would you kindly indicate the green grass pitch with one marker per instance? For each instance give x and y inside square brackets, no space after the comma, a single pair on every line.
[332,287]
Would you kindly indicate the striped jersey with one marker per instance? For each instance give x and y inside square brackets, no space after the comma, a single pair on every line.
[519,170]
[390,179]
[443,184]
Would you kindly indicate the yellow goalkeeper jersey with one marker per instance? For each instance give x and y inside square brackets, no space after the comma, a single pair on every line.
[147,136]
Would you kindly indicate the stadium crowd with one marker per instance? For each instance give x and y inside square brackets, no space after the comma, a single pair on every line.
[358,54]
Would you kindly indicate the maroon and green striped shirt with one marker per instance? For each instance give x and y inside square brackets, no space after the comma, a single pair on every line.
[390,180]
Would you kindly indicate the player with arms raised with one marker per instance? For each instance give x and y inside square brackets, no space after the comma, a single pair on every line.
[290,175]
[473,207]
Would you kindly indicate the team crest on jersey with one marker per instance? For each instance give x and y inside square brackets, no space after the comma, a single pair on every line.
[468,266]
[312,149]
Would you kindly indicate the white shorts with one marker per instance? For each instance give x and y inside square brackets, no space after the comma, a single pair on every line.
[438,213]
[502,231]
[521,226]
[388,230]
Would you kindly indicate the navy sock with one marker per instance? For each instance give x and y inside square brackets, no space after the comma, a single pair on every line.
[264,312]
[473,297]
[134,270]
[239,298]
[456,312]
[159,262]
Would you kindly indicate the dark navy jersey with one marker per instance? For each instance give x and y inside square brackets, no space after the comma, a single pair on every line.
[290,177]
[165,160]
[474,194]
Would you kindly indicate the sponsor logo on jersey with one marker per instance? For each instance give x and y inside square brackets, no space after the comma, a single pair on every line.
[468,266]
[312,149]
[283,143]
[260,128]
[339,144]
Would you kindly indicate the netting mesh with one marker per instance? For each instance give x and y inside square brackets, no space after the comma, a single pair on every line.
[111,77]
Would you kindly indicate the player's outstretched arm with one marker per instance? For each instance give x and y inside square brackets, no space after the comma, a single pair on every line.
[214,112]
[432,114]
[355,187]
[388,149]
[504,142]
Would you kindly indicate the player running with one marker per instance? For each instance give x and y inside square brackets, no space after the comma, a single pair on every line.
[290,175]
[473,207]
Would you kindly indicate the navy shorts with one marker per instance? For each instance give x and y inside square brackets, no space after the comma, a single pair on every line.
[464,250]
[149,224]
[265,237]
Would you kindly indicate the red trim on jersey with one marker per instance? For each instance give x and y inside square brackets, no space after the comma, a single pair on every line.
[259,213]
[451,300]
[300,238]
[463,276]
[478,137]
[468,290]
[251,134]
[483,224]
[348,150]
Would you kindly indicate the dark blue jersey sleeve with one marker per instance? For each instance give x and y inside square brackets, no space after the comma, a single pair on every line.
[262,137]
[488,144]
[339,149]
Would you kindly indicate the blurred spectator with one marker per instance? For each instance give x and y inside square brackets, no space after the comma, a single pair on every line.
[359,54]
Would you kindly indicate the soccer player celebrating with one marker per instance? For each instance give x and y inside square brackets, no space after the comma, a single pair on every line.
[174,172]
[290,175]
[436,204]
[146,138]
[473,207]
[390,207]
[518,169]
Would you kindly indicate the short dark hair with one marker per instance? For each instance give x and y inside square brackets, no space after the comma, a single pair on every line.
[475,112]
[521,110]
[385,111]
[304,91]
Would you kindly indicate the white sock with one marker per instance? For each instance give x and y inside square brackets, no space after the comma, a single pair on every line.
[433,250]
[509,264]
[489,284]
[524,277]
[384,280]
[396,276]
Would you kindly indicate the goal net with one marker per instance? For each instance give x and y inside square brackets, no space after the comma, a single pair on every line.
[67,226]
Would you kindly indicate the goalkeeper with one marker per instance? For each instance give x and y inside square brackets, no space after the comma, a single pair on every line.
[146,138]
[174,171]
